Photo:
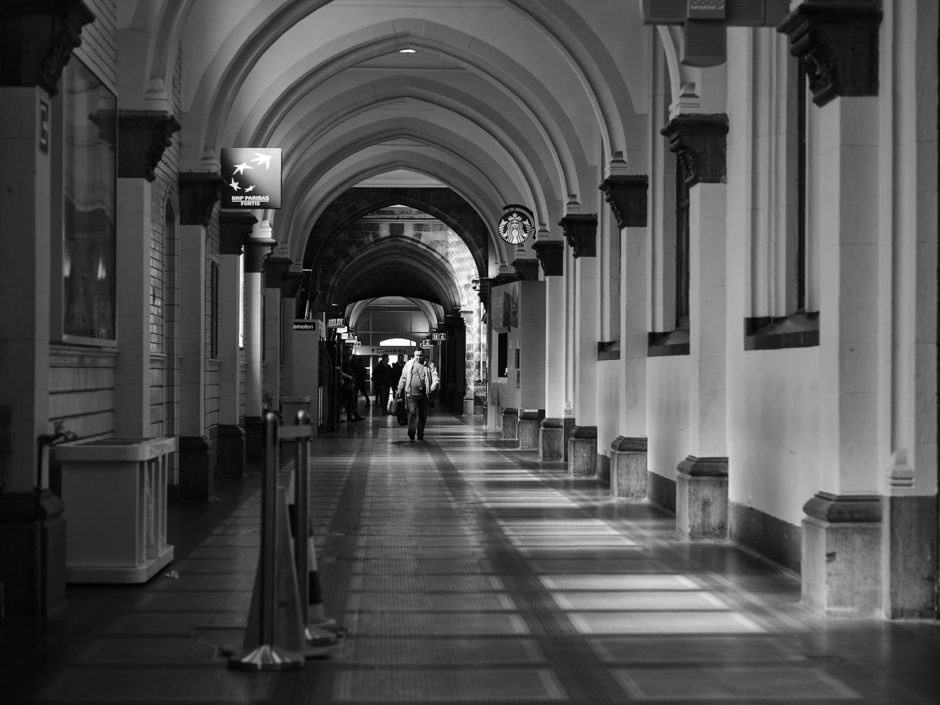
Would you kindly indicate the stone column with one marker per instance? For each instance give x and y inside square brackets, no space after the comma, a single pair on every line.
[235,227]
[257,247]
[702,478]
[199,195]
[580,231]
[36,41]
[627,196]
[509,426]
[275,270]
[291,282]
[842,553]
[142,138]
[550,252]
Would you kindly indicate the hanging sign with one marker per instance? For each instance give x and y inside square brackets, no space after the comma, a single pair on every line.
[516,225]
[438,336]
[251,177]
[334,323]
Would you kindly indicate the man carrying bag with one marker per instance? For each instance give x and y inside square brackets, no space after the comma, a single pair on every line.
[418,380]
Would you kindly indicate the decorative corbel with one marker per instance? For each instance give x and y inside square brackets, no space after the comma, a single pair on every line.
[199,192]
[580,230]
[700,142]
[838,42]
[144,135]
[551,254]
[626,195]
[37,40]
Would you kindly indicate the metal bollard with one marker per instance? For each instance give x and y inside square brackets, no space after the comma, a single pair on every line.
[268,656]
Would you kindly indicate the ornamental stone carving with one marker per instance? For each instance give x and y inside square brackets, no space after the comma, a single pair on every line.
[551,254]
[580,230]
[626,196]
[199,192]
[838,42]
[700,141]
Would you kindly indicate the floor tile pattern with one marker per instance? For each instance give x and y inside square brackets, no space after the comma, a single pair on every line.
[464,570]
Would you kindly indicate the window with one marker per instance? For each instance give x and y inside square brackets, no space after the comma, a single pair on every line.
[682,245]
[502,354]
[89,187]
[214,310]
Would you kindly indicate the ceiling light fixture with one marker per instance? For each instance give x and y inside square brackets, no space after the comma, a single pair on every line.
[407,51]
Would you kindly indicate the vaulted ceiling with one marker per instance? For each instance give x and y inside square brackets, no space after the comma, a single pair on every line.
[501,102]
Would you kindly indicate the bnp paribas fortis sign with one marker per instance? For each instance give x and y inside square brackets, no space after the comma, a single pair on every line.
[251,177]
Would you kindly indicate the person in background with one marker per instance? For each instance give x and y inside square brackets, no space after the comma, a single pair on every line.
[381,382]
[418,380]
[359,372]
[396,369]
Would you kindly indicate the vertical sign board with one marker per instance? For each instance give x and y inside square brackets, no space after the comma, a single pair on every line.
[251,177]
[305,354]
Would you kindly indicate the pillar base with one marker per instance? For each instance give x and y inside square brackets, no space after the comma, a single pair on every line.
[551,439]
[529,424]
[582,451]
[628,467]
[568,428]
[702,499]
[254,439]
[841,561]
[32,543]
[912,522]
[233,462]
[195,468]
[510,425]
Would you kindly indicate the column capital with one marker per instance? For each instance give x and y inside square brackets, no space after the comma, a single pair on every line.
[291,282]
[234,228]
[580,230]
[844,508]
[143,136]
[37,38]
[484,286]
[626,195]
[527,269]
[551,254]
[838,42]
[199,192]
[257,249]
[274,269]
[700,141]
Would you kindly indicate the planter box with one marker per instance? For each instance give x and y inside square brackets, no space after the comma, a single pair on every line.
[114,491]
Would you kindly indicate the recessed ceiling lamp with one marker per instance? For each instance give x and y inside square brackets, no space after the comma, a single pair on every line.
[407,51]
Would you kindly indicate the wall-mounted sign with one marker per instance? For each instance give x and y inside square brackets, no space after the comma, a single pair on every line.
[515,226]
[334,323]
[438,336]
[251,177]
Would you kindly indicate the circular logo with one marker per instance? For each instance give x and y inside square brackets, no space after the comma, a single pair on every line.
[515,227]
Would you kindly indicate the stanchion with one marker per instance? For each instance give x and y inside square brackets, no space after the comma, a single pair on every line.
[262,653]
[319,641]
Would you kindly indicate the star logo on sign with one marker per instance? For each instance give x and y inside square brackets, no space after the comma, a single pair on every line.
[262,159]
[240,168]
[235,185]
[250,189]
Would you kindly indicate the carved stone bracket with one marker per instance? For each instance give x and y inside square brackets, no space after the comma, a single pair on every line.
[700,142]
[484,287]
[257,249]
[234,229]
[291,282]
[527,269]
[838,42]
[37,39]
[551,254]
[627,198]
[144,135]
[274,269]
[580,231]
[199,192]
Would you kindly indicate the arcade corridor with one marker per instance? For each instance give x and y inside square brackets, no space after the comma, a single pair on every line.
[466,570]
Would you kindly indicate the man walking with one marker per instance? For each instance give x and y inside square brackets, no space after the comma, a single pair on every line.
[418,380]
[381,379]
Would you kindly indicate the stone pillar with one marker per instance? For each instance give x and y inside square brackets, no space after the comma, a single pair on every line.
[257,247]
[142,137]
[843,557]
[509,426]
[275,270]
[235,227]
[628,468]
[700,141]
[35,43]
[627,196]
[530,421]
[580,230]
[198,197]
[550,253]
[291,282]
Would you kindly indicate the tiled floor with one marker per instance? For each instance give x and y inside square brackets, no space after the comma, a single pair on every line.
[464,570]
